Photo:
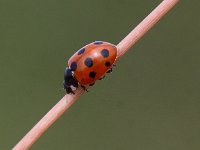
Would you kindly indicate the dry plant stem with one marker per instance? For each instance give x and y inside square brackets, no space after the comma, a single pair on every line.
[32,136]
[144,26]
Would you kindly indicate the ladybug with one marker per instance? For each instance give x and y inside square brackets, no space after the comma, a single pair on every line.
[89,64]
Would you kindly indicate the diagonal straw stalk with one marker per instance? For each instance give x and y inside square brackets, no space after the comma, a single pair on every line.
[33,135]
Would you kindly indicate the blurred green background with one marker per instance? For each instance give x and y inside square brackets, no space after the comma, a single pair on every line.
[151,100]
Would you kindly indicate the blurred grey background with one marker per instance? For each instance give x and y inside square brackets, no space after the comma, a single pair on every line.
[151,101]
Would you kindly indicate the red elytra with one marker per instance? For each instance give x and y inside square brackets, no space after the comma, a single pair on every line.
[92,61]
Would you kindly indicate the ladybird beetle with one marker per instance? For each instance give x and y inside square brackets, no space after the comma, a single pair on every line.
[89,64]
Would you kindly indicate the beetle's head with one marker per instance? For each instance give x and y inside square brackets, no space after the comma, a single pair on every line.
[70,83]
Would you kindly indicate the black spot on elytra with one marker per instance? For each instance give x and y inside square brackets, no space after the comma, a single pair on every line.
[73,66]
[105,53]
[107,64]
[98,42]
[81,51]
[88,62]
[92,74]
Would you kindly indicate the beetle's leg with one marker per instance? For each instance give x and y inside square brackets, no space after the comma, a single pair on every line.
[102,77]
[91,84]
[109,71]
[84,88]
